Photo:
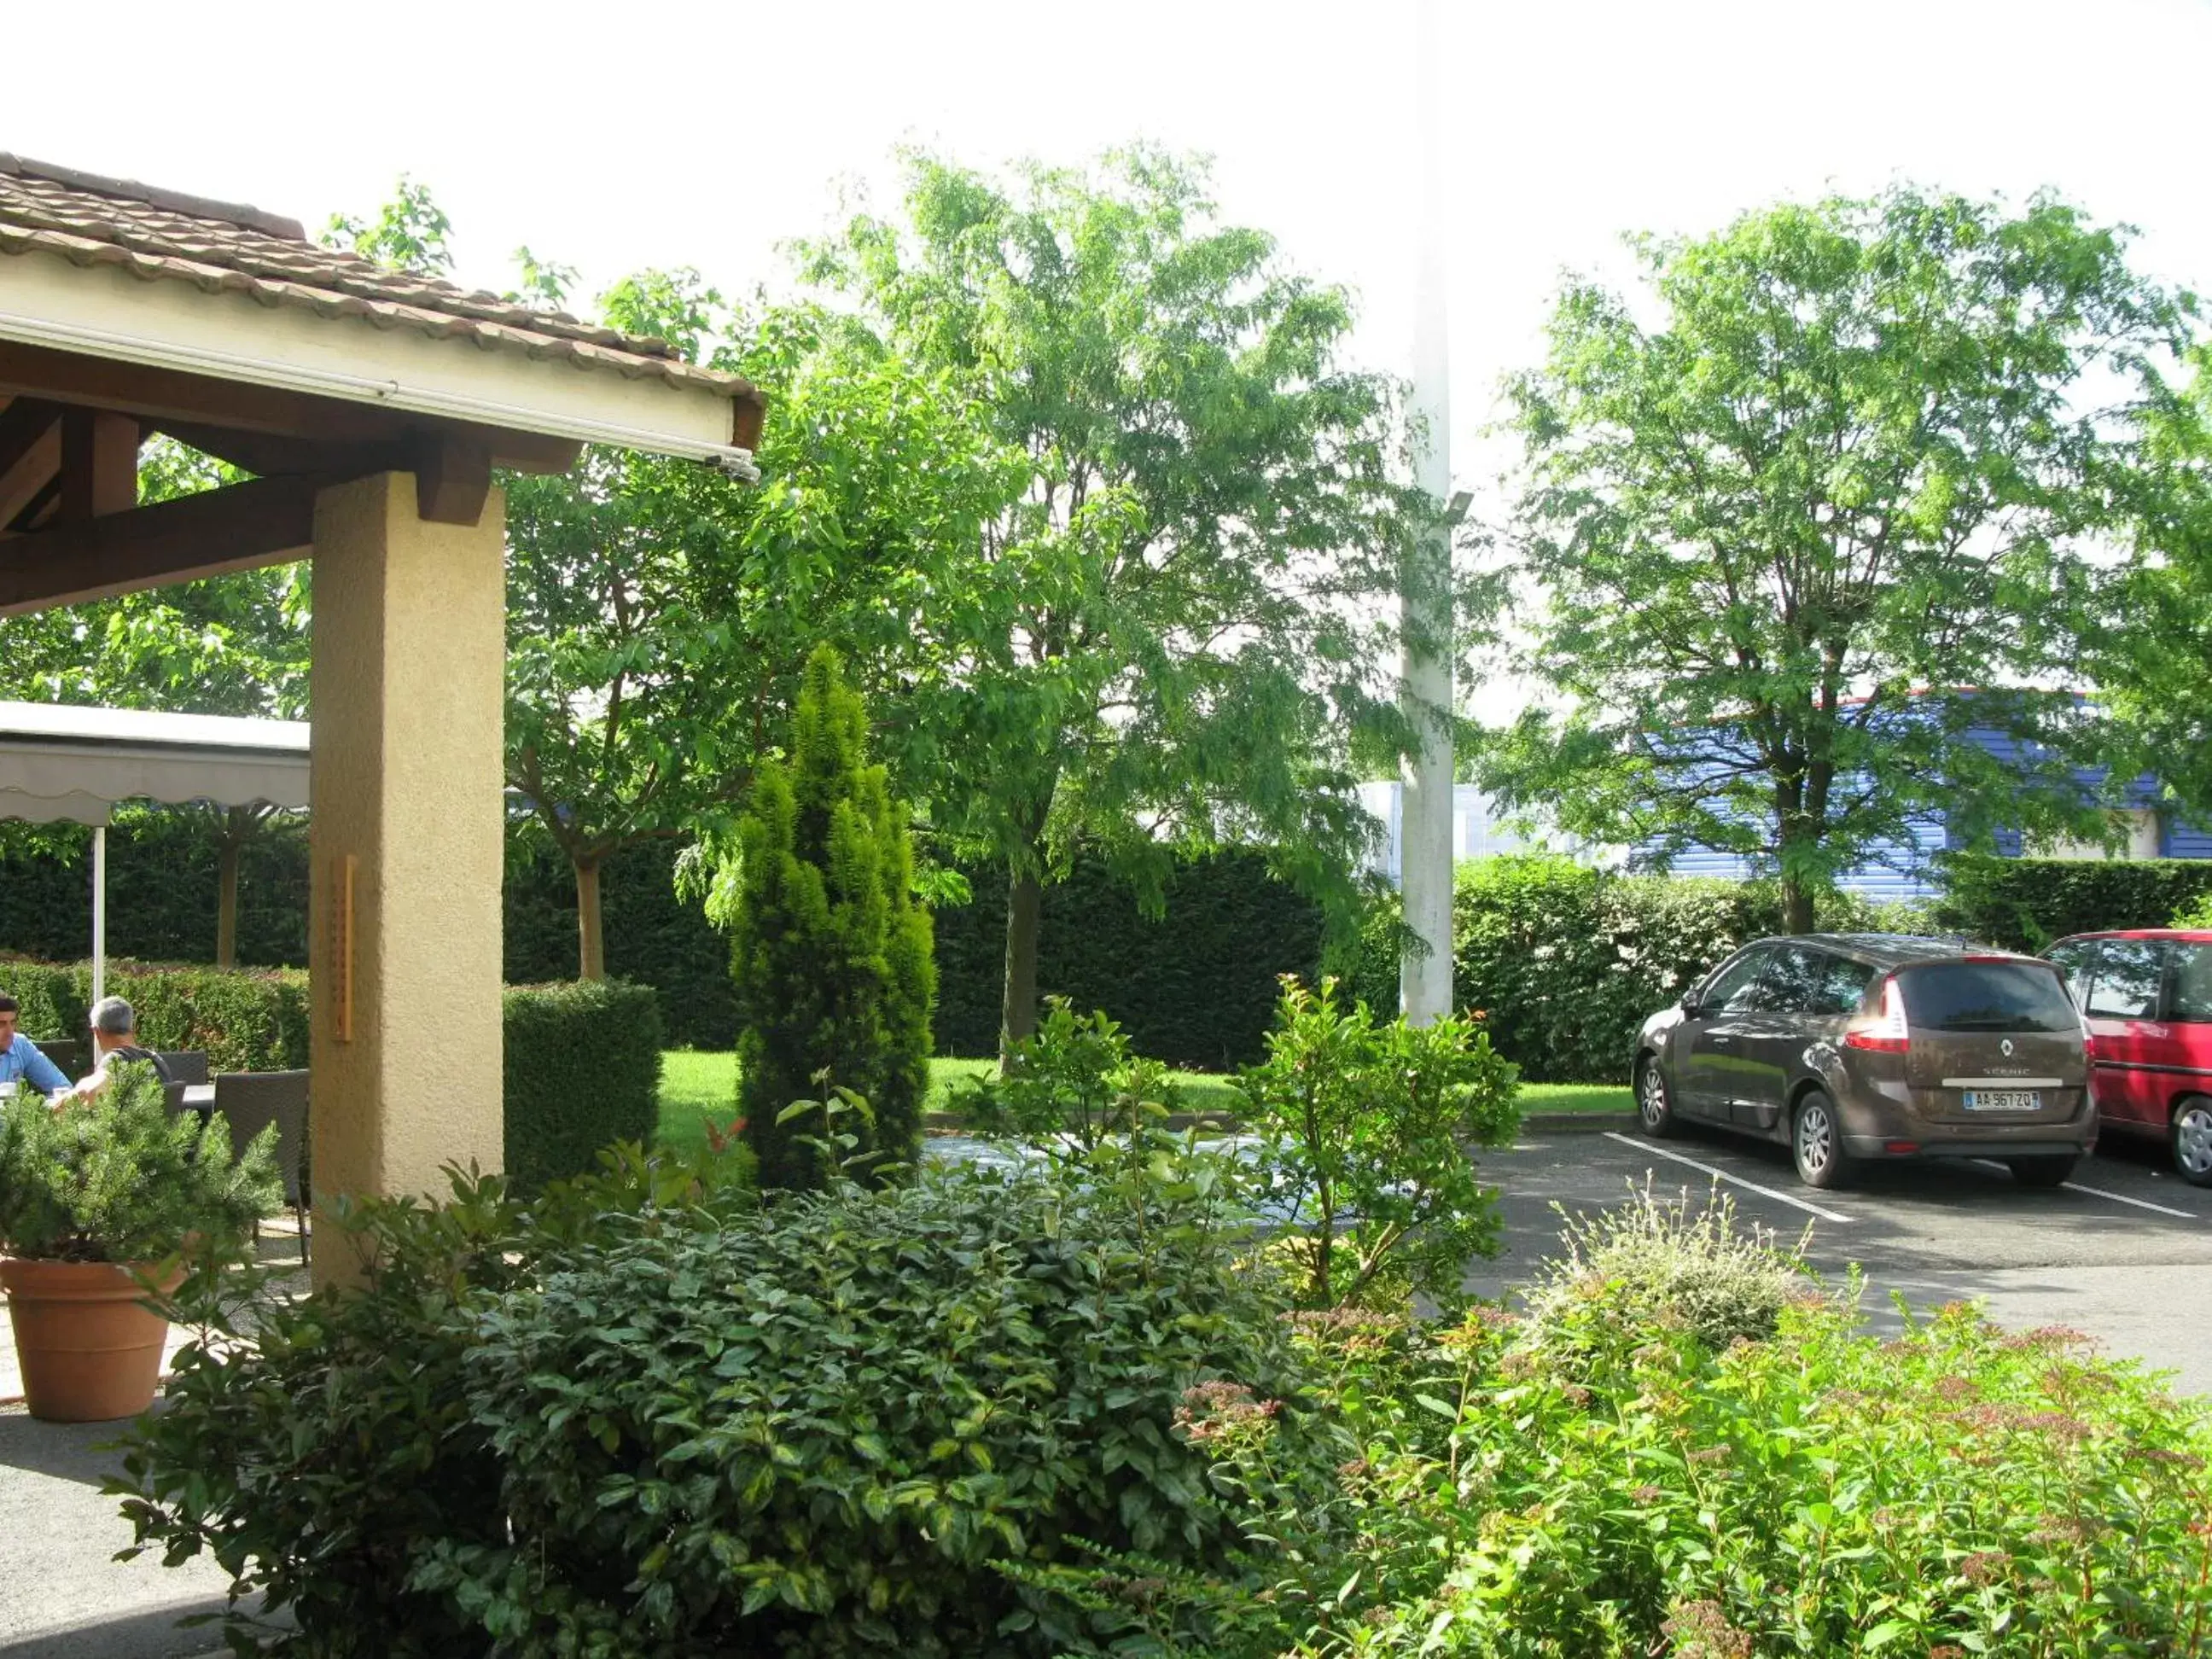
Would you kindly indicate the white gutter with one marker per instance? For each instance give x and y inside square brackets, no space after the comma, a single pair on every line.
[414,399]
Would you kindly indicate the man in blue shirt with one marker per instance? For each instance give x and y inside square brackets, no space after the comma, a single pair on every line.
[21,1062]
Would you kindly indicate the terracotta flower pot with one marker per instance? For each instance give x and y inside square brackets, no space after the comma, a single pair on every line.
[90,1350]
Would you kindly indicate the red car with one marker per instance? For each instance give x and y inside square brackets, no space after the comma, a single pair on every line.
[2147,996]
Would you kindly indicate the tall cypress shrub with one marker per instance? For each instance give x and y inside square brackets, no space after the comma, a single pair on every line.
[830,954]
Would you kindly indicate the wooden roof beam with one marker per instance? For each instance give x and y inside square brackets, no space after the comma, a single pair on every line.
[30,453]
[239,527]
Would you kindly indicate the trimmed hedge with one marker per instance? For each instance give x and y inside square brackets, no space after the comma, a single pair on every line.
[1196,989]
[583,1061]
[2023,904]
[160,890]
[583,1071]
[652,937]
[246,1020]
[1566,961]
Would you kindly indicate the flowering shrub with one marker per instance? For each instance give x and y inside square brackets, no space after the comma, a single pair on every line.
[1649,1264]
[1956,1490]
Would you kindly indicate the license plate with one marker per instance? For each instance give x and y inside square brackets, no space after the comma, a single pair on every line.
[2003,1100]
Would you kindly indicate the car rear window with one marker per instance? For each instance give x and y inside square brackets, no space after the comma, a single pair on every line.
[1986,996]
[2192,983]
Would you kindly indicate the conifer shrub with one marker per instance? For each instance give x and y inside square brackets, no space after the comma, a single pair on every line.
[829,952]
[120,1178]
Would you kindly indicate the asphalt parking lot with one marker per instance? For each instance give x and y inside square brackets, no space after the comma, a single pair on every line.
[2124,1251]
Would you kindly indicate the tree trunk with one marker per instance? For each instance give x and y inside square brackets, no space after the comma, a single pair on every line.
[226,903]
[1017,1007]
[1797,906]
[590,942]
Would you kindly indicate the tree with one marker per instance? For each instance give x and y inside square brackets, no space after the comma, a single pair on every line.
[830,954]
[1153,646]
[1806,538]
[2151,656]
[225,645]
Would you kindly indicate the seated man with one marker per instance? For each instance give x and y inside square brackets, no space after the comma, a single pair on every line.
[115,1036]
[21,1062]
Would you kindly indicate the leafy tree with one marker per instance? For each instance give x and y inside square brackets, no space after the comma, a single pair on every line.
[410,232]
[1152,646]
[1821,521]
[2152,652]
[830,954]
[225,645]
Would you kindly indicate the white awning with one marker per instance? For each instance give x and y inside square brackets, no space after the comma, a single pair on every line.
[73,764]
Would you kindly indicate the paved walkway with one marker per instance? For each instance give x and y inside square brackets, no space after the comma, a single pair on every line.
[63,1594]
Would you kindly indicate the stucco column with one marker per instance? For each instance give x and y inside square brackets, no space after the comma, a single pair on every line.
[408,648]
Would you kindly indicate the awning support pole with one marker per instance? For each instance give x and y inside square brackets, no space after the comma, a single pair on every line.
[98,912]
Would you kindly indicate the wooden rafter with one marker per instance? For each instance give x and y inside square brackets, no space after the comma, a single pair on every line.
[264,521]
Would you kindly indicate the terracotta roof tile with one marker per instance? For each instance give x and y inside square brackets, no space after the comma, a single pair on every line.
[220,246]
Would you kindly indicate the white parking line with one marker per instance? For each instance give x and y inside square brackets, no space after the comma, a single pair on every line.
[2098,1192]
[2140,1203]
[1722,1175]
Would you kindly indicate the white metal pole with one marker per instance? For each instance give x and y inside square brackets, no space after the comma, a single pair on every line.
[99,911]
[1424,977]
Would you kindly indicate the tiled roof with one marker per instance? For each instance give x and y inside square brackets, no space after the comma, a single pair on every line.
[219,246]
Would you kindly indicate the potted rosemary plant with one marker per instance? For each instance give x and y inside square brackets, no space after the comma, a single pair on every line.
[102,1200]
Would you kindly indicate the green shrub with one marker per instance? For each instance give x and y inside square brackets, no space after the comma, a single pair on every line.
[1363,1128]
[1074,1079]
[646,1421]
[1659,1266]
[117,1177]
[2196,914]
[315,1446]
[244,1019]
[1565,961]
[829,951]
[2023,904]
[1955,1490]
[582,1072]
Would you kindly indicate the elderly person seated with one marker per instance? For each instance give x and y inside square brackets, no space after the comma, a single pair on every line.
[20,1061]
[115,1036]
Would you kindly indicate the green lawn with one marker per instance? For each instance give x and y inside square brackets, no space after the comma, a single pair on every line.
[1577,1097]
[696,1086]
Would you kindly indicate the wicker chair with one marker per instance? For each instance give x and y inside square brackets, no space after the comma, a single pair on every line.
[250,1102]
[184,1064]
[67,1053]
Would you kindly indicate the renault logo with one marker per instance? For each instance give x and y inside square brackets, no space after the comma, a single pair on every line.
[2005,1048]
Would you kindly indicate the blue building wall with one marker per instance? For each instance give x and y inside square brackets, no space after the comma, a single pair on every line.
[1904,869]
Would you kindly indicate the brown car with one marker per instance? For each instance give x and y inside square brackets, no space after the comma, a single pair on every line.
[1851,1048]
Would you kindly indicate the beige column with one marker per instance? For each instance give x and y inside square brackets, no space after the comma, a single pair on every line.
[408,648]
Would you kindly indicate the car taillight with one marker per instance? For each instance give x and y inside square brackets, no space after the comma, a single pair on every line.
[1885,1033]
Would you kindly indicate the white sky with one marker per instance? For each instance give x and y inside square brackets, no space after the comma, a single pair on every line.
[679,132]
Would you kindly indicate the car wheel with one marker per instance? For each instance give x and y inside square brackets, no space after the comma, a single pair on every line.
[2042,1171]
[1816,1141]
[1655,1107]
[2192,1141]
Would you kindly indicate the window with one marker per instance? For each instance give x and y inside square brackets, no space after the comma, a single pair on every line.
[1793,980]
[2125,983]
[1735,988]
[1843,987]
[1986,996]
[2073,960]
[2192,983]
[1806,980]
